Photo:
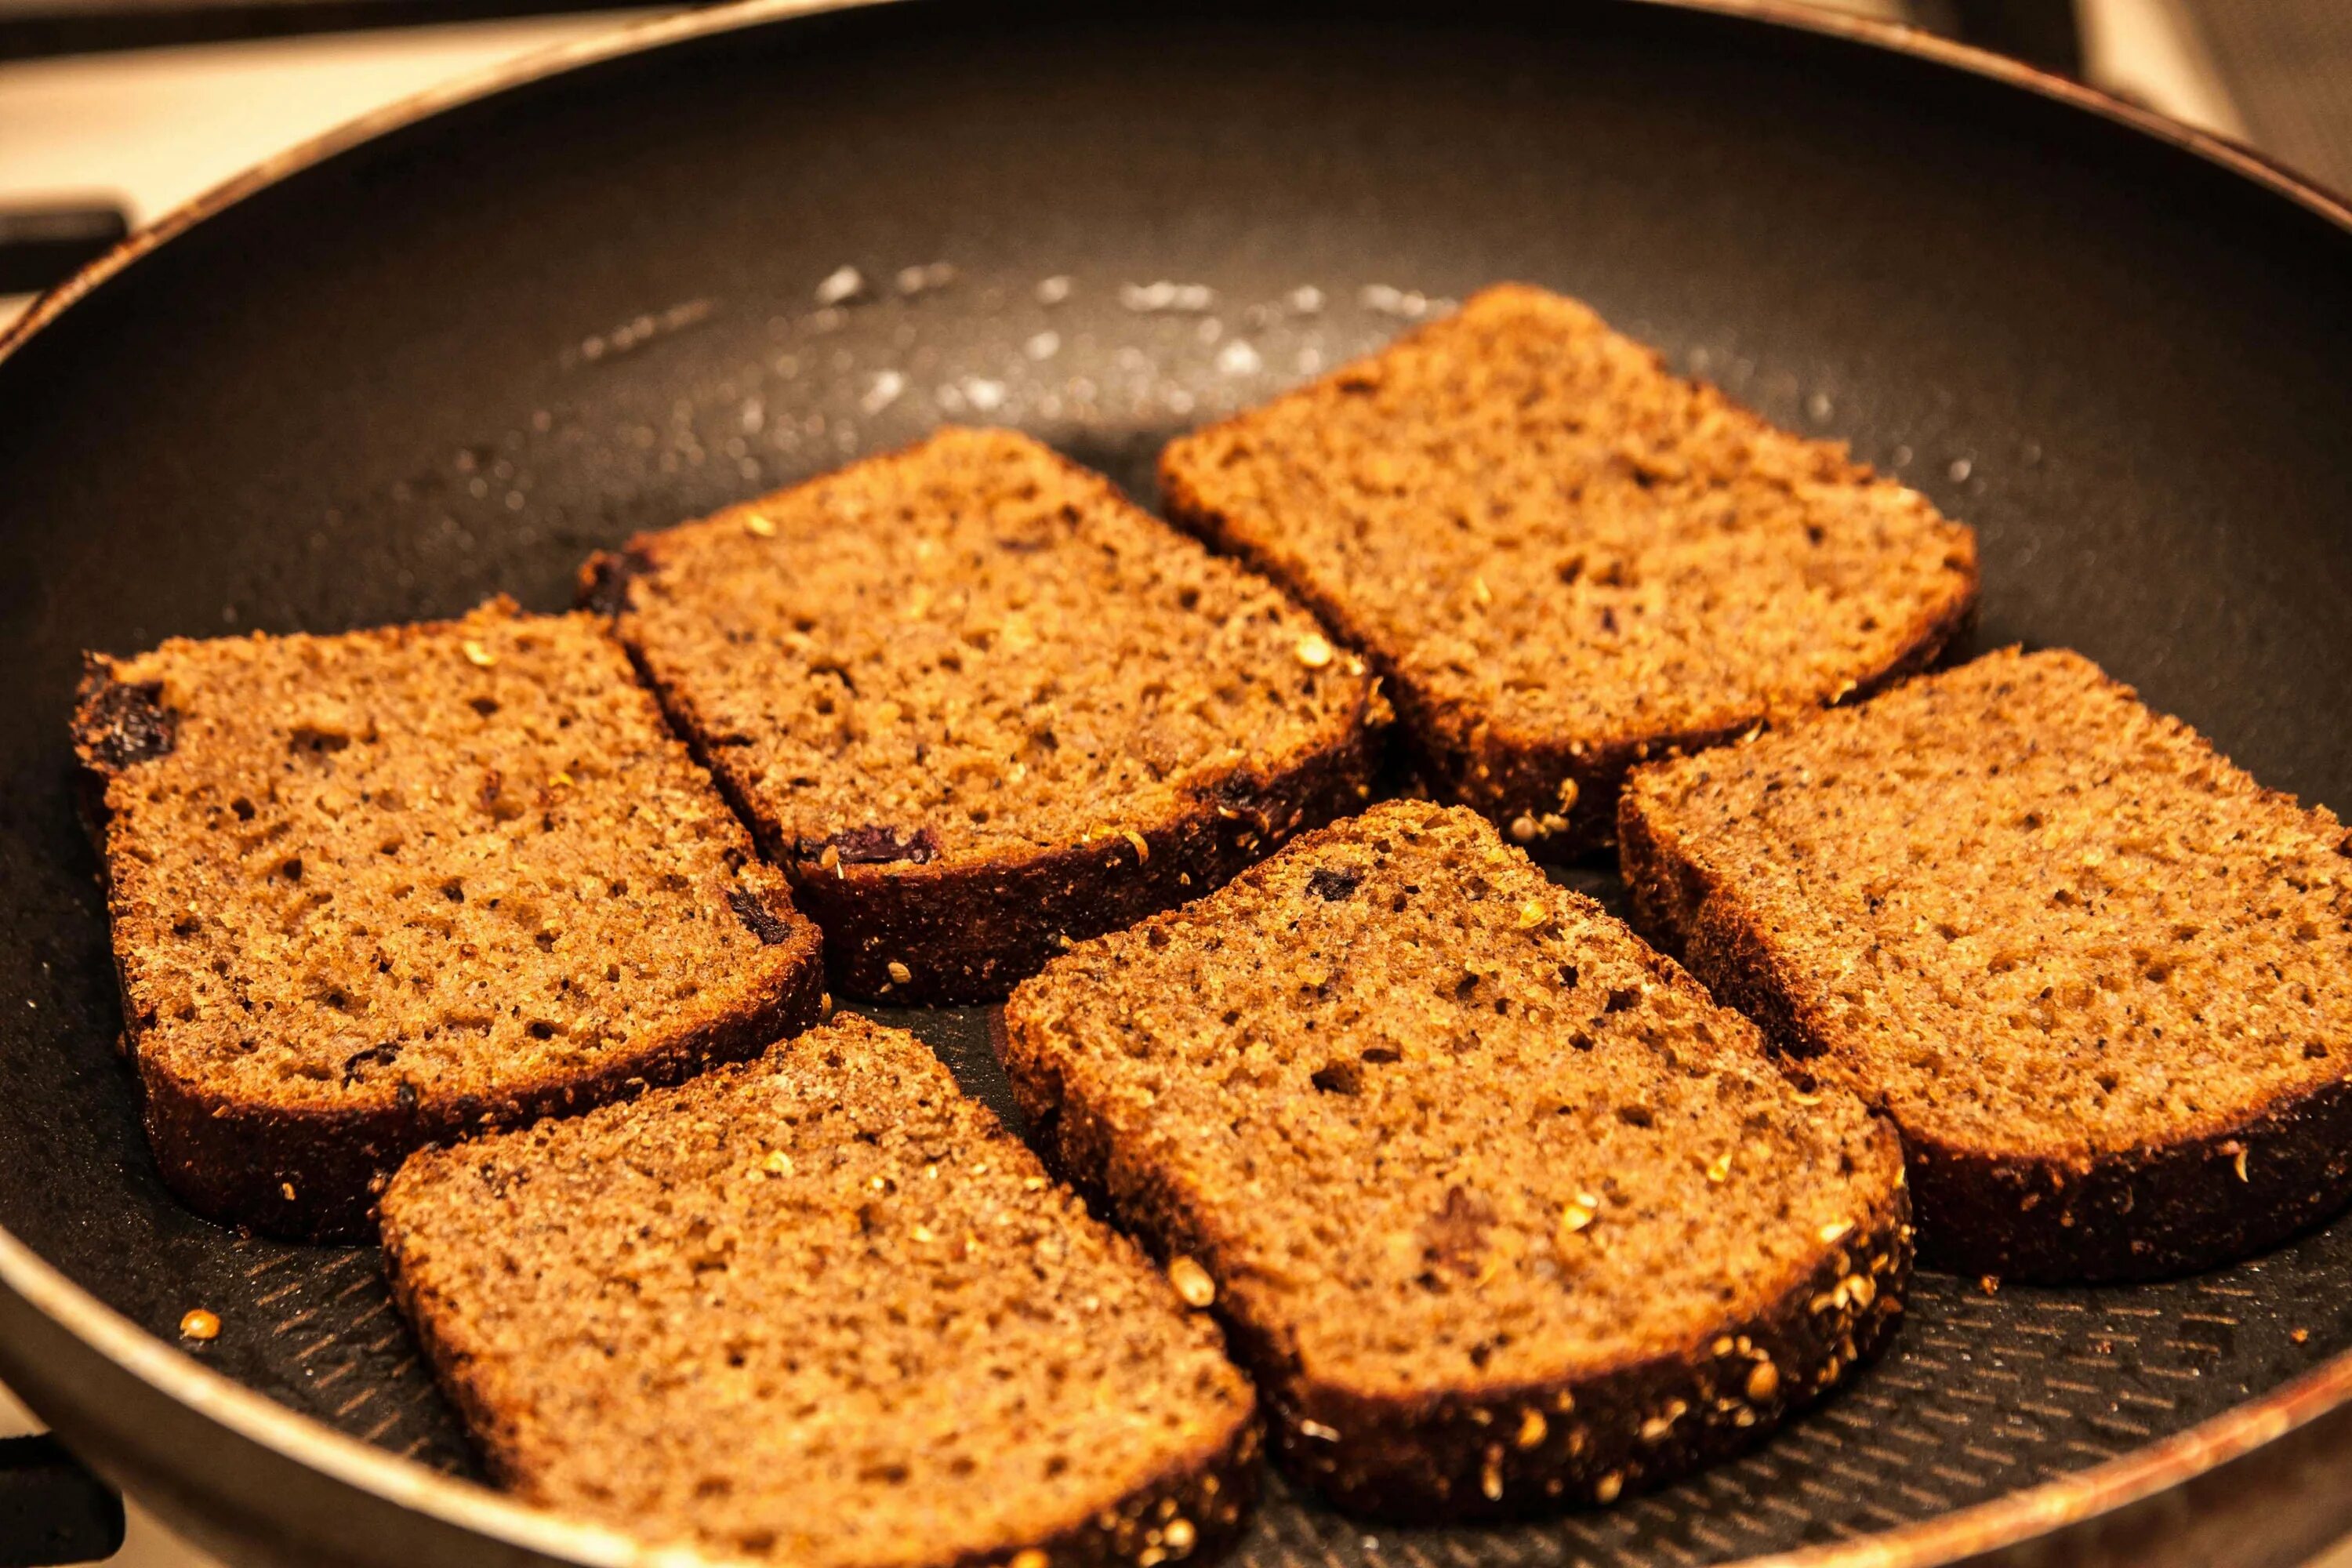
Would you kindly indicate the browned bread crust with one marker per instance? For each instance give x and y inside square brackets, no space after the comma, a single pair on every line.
[1437,1456]
[235,1161]
[1563,560]
[954,894]
[811,1210]
[1163,1070]
[974,929]
[304,1156]
[1975,753]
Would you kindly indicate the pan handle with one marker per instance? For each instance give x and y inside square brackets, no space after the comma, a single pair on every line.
[41,246]
[52,1509]
[2042,33]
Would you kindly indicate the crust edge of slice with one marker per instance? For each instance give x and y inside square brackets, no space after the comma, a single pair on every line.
[2142,1214]
[1430,1458]
[233,1160]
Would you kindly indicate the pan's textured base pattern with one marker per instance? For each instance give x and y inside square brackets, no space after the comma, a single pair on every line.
[374,890]
[979,705]
[1568,559]
[2095,972]
[1982,1392]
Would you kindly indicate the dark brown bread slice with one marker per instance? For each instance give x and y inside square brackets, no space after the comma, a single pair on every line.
[976,704]
[1502,1211]
[2098,975]
[373,890]
[1566,559]
[822,1310]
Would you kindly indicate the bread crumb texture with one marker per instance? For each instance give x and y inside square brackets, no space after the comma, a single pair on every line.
[1500,1204]
[2042,924]
[1564,554]
[973,650]
[420,869]
[819,1309]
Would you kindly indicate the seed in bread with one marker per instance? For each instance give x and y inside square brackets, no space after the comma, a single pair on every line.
[2097,973]
[1503,1211]
[977,705]
[819,1309]
[1567,559]
[390,887]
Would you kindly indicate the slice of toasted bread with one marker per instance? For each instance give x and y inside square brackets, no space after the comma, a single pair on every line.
[2094,972]
[977,704]
[1503,1211]
[396,886]
[1566,559]
[820,1309]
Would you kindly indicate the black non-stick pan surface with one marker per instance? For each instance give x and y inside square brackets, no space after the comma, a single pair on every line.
[451,361]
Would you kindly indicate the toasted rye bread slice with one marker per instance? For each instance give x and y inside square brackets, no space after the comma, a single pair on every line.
[977,704]
[820,1308]
[1566,559]
[2094,972]
[1502,1211]
[378,889]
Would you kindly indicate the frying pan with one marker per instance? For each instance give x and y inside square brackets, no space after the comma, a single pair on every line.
[447,352]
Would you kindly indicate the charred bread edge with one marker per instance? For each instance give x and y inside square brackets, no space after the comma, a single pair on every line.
[235,1161]
[1524,772]
[2138,1214]
[1506,1451]
[1213,1492]
[970,932]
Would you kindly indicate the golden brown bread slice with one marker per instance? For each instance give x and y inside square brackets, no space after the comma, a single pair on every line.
[376,890]
[1566,559]
[977,704]
[820,1309]
[2098,975]
[1503,1211]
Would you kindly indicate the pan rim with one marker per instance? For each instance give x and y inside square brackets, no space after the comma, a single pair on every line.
[2008,1519]
[653,33]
